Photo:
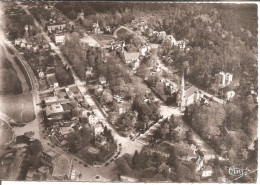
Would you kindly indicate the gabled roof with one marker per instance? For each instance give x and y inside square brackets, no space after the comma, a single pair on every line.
[61,166]
[190,91]
[131,56]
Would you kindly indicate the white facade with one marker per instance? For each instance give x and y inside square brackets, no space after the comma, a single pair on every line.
[226,78]
[59,39]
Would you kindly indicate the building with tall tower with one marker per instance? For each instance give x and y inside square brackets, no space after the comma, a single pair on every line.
[188,96]
[96,28]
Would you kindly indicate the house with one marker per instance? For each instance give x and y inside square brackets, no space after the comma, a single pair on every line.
[66,130]
[135,65]
[35,48]
[41,74]
[144,49]
[100,88]
[207,172]
[62,167]
[80,15]
[96,28]
[102,80]
[17,42]
[230,95]
[48,156]
[92,119]
[130,57]
[162,35]
[45,46]
[29,45]
[181,44]
[51,100]
[54,111]
[199,160]
[59,38]
[118,98]
[117,45]
[89,72]
[23,43]
[172,39]
[226,78]
[108,29]
[52,81]
[98,129]
[163,168]
[33,175]
[54,26]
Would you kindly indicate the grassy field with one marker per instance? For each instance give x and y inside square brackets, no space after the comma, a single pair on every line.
[122,32]
[5,133]
[18,107]
[105,39]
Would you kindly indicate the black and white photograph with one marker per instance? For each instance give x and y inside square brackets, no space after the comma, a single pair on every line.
[125,91]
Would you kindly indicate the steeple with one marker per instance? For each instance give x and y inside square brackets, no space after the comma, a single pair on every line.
[97,24]
[182,87]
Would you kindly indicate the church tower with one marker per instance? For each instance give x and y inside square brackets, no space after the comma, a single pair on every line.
[182,93]
[26,33]
[182,87]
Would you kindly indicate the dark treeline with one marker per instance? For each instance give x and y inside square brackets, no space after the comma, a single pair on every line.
[242,15]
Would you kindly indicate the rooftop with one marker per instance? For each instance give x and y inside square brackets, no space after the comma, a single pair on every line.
[131,56]
[190,91]
[51,79]
[54,109]
[51,99]
[66,106]
[51,153]
[66,130]
[61,166]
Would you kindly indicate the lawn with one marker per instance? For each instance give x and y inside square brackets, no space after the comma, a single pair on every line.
[5,133]
[105,39]
[18,107]
[123,32]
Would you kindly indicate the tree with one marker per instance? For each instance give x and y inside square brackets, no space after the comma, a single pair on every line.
[143,71]
[233,120]
[172,159]
[35,147]
[189,136]
[72,14]
[122,167]
[206,80]
[106,97]
[105,131]
[135,160]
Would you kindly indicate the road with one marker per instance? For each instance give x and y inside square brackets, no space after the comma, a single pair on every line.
[55,48]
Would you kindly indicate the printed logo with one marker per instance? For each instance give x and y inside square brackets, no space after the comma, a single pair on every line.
[237,172]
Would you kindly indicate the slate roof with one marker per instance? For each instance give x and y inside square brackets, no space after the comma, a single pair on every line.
[190,91]
[61,166]
[131,56]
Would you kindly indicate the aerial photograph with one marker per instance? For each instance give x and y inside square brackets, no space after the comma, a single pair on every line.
[128,92]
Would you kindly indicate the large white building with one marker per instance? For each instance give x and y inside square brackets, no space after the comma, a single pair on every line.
[226,78]
[59,38]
